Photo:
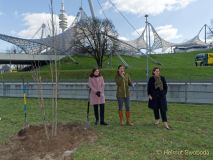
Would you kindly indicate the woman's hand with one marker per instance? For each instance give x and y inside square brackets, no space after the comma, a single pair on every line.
[150,97]
[122,73]
[98,93]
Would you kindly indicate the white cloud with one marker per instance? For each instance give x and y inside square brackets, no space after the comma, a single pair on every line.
[138,32]
[123,38]
[167,32]
[13,32]
[208,40]
[33,22]
[153,7]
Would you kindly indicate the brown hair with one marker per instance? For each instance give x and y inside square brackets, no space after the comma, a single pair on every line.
[121,65]
[93,71]
[154,69]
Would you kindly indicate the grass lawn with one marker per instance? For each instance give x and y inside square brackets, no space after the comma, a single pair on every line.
[192,130]
[174,67]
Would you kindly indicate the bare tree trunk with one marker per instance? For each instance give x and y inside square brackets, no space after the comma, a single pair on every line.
[53,101]
[54,76]
[43,108]
[37,78]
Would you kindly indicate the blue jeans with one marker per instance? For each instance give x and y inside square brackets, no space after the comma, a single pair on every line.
[121,101]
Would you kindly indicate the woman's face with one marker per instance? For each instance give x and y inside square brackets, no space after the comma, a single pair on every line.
[157,72]
[121,70]
[96,73]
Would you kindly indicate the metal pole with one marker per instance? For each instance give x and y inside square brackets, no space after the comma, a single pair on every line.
[147,49]
[149,38]
[91,9]
[111,58]
[205,33]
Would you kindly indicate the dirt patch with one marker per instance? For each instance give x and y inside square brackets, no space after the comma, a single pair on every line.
[32,144]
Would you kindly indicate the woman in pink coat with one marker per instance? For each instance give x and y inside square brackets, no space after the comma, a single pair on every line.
[96,84]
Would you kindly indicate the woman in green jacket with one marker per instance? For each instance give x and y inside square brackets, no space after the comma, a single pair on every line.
[123,82]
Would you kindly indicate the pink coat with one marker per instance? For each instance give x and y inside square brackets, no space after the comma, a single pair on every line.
[96,84]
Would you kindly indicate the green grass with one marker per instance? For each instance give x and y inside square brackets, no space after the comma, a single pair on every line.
[173,66]
[192,129]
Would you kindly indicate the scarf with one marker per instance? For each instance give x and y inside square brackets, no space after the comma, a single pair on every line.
[158,83]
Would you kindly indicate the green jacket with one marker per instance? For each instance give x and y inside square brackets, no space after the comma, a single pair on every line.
[123,84]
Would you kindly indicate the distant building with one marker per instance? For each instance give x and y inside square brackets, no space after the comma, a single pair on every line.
[5,68]
[194,44]
[191,48]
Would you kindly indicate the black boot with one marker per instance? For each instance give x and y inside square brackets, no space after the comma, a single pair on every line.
[102,115]
[96,114]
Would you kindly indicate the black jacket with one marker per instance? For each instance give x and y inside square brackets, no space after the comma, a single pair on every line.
[158,96]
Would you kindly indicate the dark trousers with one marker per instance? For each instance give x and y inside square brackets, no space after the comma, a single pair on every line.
[101,112]
[121,101]
[162,112]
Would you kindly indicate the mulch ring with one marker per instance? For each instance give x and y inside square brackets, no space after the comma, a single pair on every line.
[32,144]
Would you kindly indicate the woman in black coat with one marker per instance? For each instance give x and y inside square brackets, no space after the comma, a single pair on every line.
[157,90]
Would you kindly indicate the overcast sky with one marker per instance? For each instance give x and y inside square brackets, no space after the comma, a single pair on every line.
[175,20]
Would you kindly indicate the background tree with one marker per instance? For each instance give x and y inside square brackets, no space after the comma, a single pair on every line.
[92,37]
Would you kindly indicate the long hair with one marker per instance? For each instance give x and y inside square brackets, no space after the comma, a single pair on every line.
[154,69]
[93,71]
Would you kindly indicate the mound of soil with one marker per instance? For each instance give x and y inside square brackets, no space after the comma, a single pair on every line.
[32,143]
